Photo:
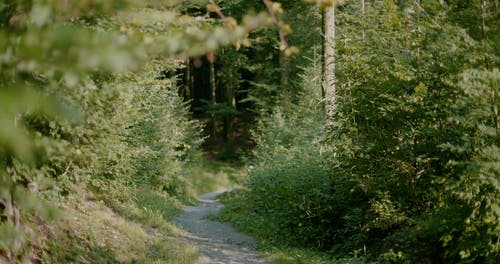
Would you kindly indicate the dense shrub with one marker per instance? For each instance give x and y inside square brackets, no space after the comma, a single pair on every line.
[287,179]
[77,111]
[407,171]
[416,117]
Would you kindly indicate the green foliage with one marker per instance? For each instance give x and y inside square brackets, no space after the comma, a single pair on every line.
[240,211]
[407,169]
[415,134]
[40,142]
[286,182]
[93,233]
[81,105]
[266,74]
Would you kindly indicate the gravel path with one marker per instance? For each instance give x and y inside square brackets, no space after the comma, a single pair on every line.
[218,243]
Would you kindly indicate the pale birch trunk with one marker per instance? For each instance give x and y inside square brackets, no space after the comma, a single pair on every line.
[363,14]
[329,60]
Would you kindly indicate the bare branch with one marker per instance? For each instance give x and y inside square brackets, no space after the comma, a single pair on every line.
[270,9]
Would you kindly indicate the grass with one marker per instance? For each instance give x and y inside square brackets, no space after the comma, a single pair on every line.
[93,233]
[209,175]
[147,206]
[123,224]
[239,212]
[134,225]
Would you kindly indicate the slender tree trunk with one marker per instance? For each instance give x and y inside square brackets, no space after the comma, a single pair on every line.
[483,18]
[229,118]
[213,91]
[284,65]
[329,60]
[283,47]
[189,81]
[323,64]
[363,14]
[494,109]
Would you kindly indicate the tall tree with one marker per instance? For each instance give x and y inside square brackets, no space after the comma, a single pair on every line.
[213,94]
[329,58]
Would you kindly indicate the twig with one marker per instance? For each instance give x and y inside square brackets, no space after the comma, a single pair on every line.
[283,43]
[216,9]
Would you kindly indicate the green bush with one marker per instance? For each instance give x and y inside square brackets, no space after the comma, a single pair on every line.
[287,179]
[72,116]
[407,171]
[415,124]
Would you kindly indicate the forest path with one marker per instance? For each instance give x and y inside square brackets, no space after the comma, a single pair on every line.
[219,243]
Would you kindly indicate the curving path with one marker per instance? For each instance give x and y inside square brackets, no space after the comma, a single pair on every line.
[219,243]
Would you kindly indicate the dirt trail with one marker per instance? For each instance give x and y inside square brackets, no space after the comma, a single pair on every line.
[219,243]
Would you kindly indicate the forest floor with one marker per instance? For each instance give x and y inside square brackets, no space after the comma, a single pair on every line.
[217,242]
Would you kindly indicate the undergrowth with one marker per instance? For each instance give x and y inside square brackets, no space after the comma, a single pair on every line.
[207,175]
[241,213]
[93,233]
[133,227]
[286,191]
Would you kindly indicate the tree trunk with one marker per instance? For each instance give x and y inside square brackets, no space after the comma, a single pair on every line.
[284,74]
[283,47]
[363,14]
[189,80]
[229,118]
[213,91]
[329,60]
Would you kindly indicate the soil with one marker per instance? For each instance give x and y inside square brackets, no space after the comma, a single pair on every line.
[218,242]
